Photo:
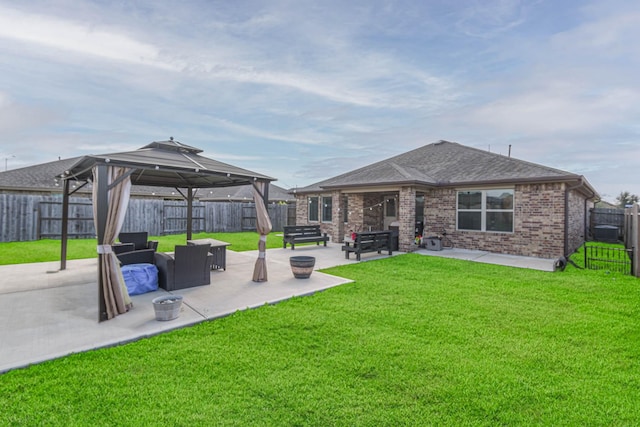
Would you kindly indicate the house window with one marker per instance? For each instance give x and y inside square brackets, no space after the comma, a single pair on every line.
[327,204]
[313,208]
[486,210]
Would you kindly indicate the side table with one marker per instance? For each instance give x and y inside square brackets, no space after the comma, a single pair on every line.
[218,250]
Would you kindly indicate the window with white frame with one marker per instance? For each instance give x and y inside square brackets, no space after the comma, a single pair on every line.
[313,208]
[327,205]
[485,210]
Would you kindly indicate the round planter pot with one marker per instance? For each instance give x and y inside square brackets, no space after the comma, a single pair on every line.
[167,307]
[302,266]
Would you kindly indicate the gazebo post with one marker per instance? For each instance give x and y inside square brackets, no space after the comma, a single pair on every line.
[265,195]
[189,212]
[65,224]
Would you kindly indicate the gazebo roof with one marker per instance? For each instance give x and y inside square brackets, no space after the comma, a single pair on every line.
[168,164]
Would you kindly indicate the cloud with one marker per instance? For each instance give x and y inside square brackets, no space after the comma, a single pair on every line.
[489,18]
[338,83]
[16,116]
[51,32]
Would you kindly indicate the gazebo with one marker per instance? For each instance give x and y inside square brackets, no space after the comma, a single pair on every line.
[161,164]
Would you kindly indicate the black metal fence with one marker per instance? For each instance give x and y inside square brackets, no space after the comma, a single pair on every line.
[617,260]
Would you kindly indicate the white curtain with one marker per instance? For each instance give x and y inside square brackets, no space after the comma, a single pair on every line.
[114,290]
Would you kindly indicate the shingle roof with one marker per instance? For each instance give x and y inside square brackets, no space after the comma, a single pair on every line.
[169,164]
[39,177]
[44,177]
[444,163]
[244,193]
[171,155]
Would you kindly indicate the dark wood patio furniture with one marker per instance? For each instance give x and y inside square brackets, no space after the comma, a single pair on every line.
[303,234]
[373,241]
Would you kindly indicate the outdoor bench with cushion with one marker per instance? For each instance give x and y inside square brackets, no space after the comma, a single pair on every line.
[303,234]
[373,241]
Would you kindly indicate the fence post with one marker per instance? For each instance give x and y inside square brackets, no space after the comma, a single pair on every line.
[636,237]
[632,236]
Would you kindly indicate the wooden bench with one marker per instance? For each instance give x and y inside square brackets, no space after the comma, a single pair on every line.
[373,241]
[303,234]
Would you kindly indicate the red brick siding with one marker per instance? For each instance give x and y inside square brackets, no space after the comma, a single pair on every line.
[356,217]
[407,218]
[538,219]
[577,220]
[538,222]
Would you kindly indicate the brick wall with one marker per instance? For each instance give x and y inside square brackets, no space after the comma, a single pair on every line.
[302,209]
[577,221]
[336,229]
[538,222]
[407,219]
[356,216]
[538,219]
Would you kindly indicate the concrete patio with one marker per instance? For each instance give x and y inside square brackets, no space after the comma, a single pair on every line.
[50,313]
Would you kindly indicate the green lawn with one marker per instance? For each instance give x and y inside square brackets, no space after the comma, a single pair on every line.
[415,340]
[49,250]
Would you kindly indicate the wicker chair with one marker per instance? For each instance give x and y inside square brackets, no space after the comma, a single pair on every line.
[139,239]
[144,256]
[190,266]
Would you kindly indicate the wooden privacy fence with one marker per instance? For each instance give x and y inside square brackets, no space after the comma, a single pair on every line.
[632,235]
[33,217]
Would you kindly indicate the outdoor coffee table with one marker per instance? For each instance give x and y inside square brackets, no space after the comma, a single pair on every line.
[218,250]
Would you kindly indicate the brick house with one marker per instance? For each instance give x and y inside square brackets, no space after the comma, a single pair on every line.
[481,200]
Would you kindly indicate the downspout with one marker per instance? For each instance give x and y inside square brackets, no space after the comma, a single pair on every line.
[586,225]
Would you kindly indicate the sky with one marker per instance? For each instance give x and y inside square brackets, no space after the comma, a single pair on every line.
[306,90]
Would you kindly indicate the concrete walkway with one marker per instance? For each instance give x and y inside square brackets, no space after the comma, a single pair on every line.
[49,313]
[543,264]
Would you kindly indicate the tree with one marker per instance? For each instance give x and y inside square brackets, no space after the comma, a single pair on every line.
[625,198]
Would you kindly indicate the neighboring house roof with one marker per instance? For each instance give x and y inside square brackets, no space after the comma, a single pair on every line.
[45,177]
[243,193]
[41,177]
[444,164]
